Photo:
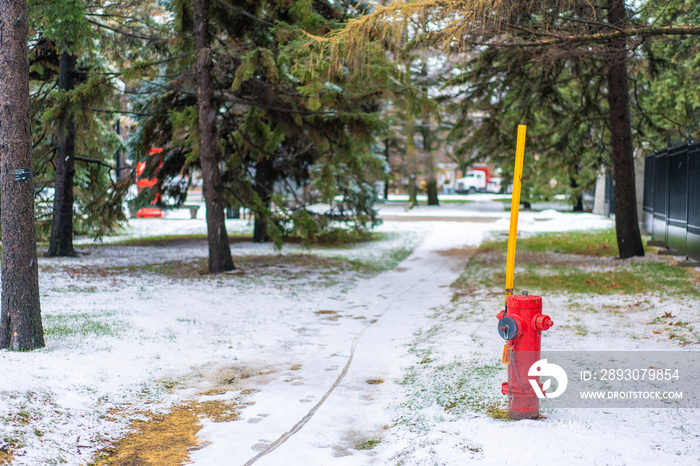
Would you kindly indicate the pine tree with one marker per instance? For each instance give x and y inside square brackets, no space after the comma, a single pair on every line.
[552,30]
[665,84]
[74,91]
[291,130]
[219,250]
[20,322]
[61,239]
[629,240]
[59,26]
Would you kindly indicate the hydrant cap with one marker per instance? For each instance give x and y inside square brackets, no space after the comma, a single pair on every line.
[543,322]
[525,302]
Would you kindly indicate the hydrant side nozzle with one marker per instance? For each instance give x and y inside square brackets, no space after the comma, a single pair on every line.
[499,316]
[543,322]
[508,327]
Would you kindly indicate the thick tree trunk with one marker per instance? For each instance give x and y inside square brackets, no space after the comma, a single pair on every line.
[264,180]
[20,320]
[387,177]
[61,240]
[629,239]
[578,204]
[219,249]
[411,162]
[411,168]
[431,187]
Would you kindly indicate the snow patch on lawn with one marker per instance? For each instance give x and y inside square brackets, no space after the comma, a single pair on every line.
[125,338]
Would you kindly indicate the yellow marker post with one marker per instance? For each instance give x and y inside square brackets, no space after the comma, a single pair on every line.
[515,209]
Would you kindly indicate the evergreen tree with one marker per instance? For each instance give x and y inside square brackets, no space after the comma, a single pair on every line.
[75,91]
[563,104]
[292,130]
[546,33]
[61,239]
[666,85]
[629,240]
[219,250]
[20,321]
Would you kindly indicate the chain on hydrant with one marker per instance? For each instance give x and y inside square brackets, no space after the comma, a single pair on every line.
[522,324]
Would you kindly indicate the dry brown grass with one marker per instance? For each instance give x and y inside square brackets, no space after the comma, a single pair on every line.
[162,440]
[165,439]
[5,457]
[459,252]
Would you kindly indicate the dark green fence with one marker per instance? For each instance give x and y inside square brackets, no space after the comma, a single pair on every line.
[672,198]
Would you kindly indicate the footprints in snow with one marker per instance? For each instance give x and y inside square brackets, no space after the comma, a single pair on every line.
[256,419]
[298,381]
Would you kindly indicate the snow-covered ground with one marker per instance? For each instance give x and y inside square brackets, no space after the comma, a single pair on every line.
[322,364]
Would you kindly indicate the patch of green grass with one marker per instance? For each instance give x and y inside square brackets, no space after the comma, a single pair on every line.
[578,329]
[367,444]
[456,201]
[13,442]
[599,243]
[289,266]
[461,392]
[540,273]
[498,412]
[58,460]
[569,280]
[457,387]
[174,269]
[638,279]
[168,240]
[475,276]
[665,276]
[398,255]
[83,324]
[334,238]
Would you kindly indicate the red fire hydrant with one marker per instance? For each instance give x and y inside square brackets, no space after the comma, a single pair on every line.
[521,324]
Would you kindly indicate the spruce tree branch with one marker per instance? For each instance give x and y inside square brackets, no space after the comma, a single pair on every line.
[254,146]
[238,198]
[229,98]
[143,65]
[593,23]
[44,160]
[601,37]
[680,126]
[124,112]
[127,34]
[170,59]
[246,14]
[91,160]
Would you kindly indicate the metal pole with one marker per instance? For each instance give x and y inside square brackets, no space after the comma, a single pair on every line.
[515,209]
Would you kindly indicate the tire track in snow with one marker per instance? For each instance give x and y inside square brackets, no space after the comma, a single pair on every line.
[421,254]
